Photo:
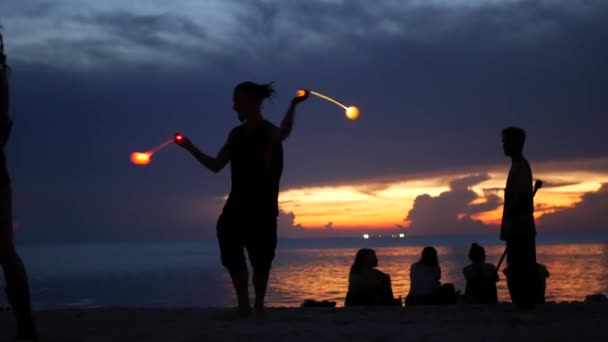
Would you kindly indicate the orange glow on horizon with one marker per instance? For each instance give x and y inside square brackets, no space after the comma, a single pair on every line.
[356,206]
[385,205]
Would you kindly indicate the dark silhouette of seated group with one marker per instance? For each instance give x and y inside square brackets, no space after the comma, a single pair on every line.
[248,221]
[368,286]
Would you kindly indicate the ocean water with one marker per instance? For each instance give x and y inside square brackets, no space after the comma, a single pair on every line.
[189,274]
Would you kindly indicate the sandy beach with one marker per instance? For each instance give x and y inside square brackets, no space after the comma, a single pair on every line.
[554,322]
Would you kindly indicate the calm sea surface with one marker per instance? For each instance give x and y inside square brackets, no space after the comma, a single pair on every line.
[189,274]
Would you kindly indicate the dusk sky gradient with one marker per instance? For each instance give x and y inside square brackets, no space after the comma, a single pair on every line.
[435,81]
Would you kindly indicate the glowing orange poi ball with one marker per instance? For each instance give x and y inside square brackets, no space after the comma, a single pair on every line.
[144,158]
[352,112]
[139,158]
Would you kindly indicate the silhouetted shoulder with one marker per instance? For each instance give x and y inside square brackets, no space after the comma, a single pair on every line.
[543,271]
[233,136]
[273,131]
[380,275]
[271,125]
[489,269]
[469,271]
[472,270]
[522,168]
[236,130]
[420,268]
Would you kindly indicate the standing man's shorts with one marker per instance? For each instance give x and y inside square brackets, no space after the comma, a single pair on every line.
[256,234]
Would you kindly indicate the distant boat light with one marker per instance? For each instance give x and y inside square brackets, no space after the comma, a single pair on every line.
[366,236]
[401,235]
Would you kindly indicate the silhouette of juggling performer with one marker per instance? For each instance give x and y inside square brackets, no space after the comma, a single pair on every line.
[249,218]
[15,275]
[518,228]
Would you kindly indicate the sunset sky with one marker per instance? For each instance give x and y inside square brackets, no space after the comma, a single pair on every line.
[435,81]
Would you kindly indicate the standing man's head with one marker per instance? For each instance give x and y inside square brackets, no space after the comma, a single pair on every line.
[248,98]
[513,139]
[477,254]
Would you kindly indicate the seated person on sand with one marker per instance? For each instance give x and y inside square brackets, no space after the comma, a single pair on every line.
[425,286]
[543,274]
[481,278]
[366,284]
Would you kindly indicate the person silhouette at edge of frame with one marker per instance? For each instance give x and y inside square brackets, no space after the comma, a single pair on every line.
[249,218]
[518,228]
[15,274]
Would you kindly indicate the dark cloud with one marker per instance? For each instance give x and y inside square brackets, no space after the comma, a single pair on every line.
[589,215]
[491,202]
[435,84]
[288,229]
[31,9]
[154,30]
[159,38]
[116,38]
[451,211]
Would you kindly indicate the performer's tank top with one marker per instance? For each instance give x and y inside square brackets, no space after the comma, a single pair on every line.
[256,165]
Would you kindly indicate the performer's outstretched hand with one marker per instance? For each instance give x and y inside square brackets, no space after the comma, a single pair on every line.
[301,96]
[182,141]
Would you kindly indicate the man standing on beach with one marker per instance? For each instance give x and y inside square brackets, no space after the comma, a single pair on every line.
[518,228]
[17,288]
[249,219]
